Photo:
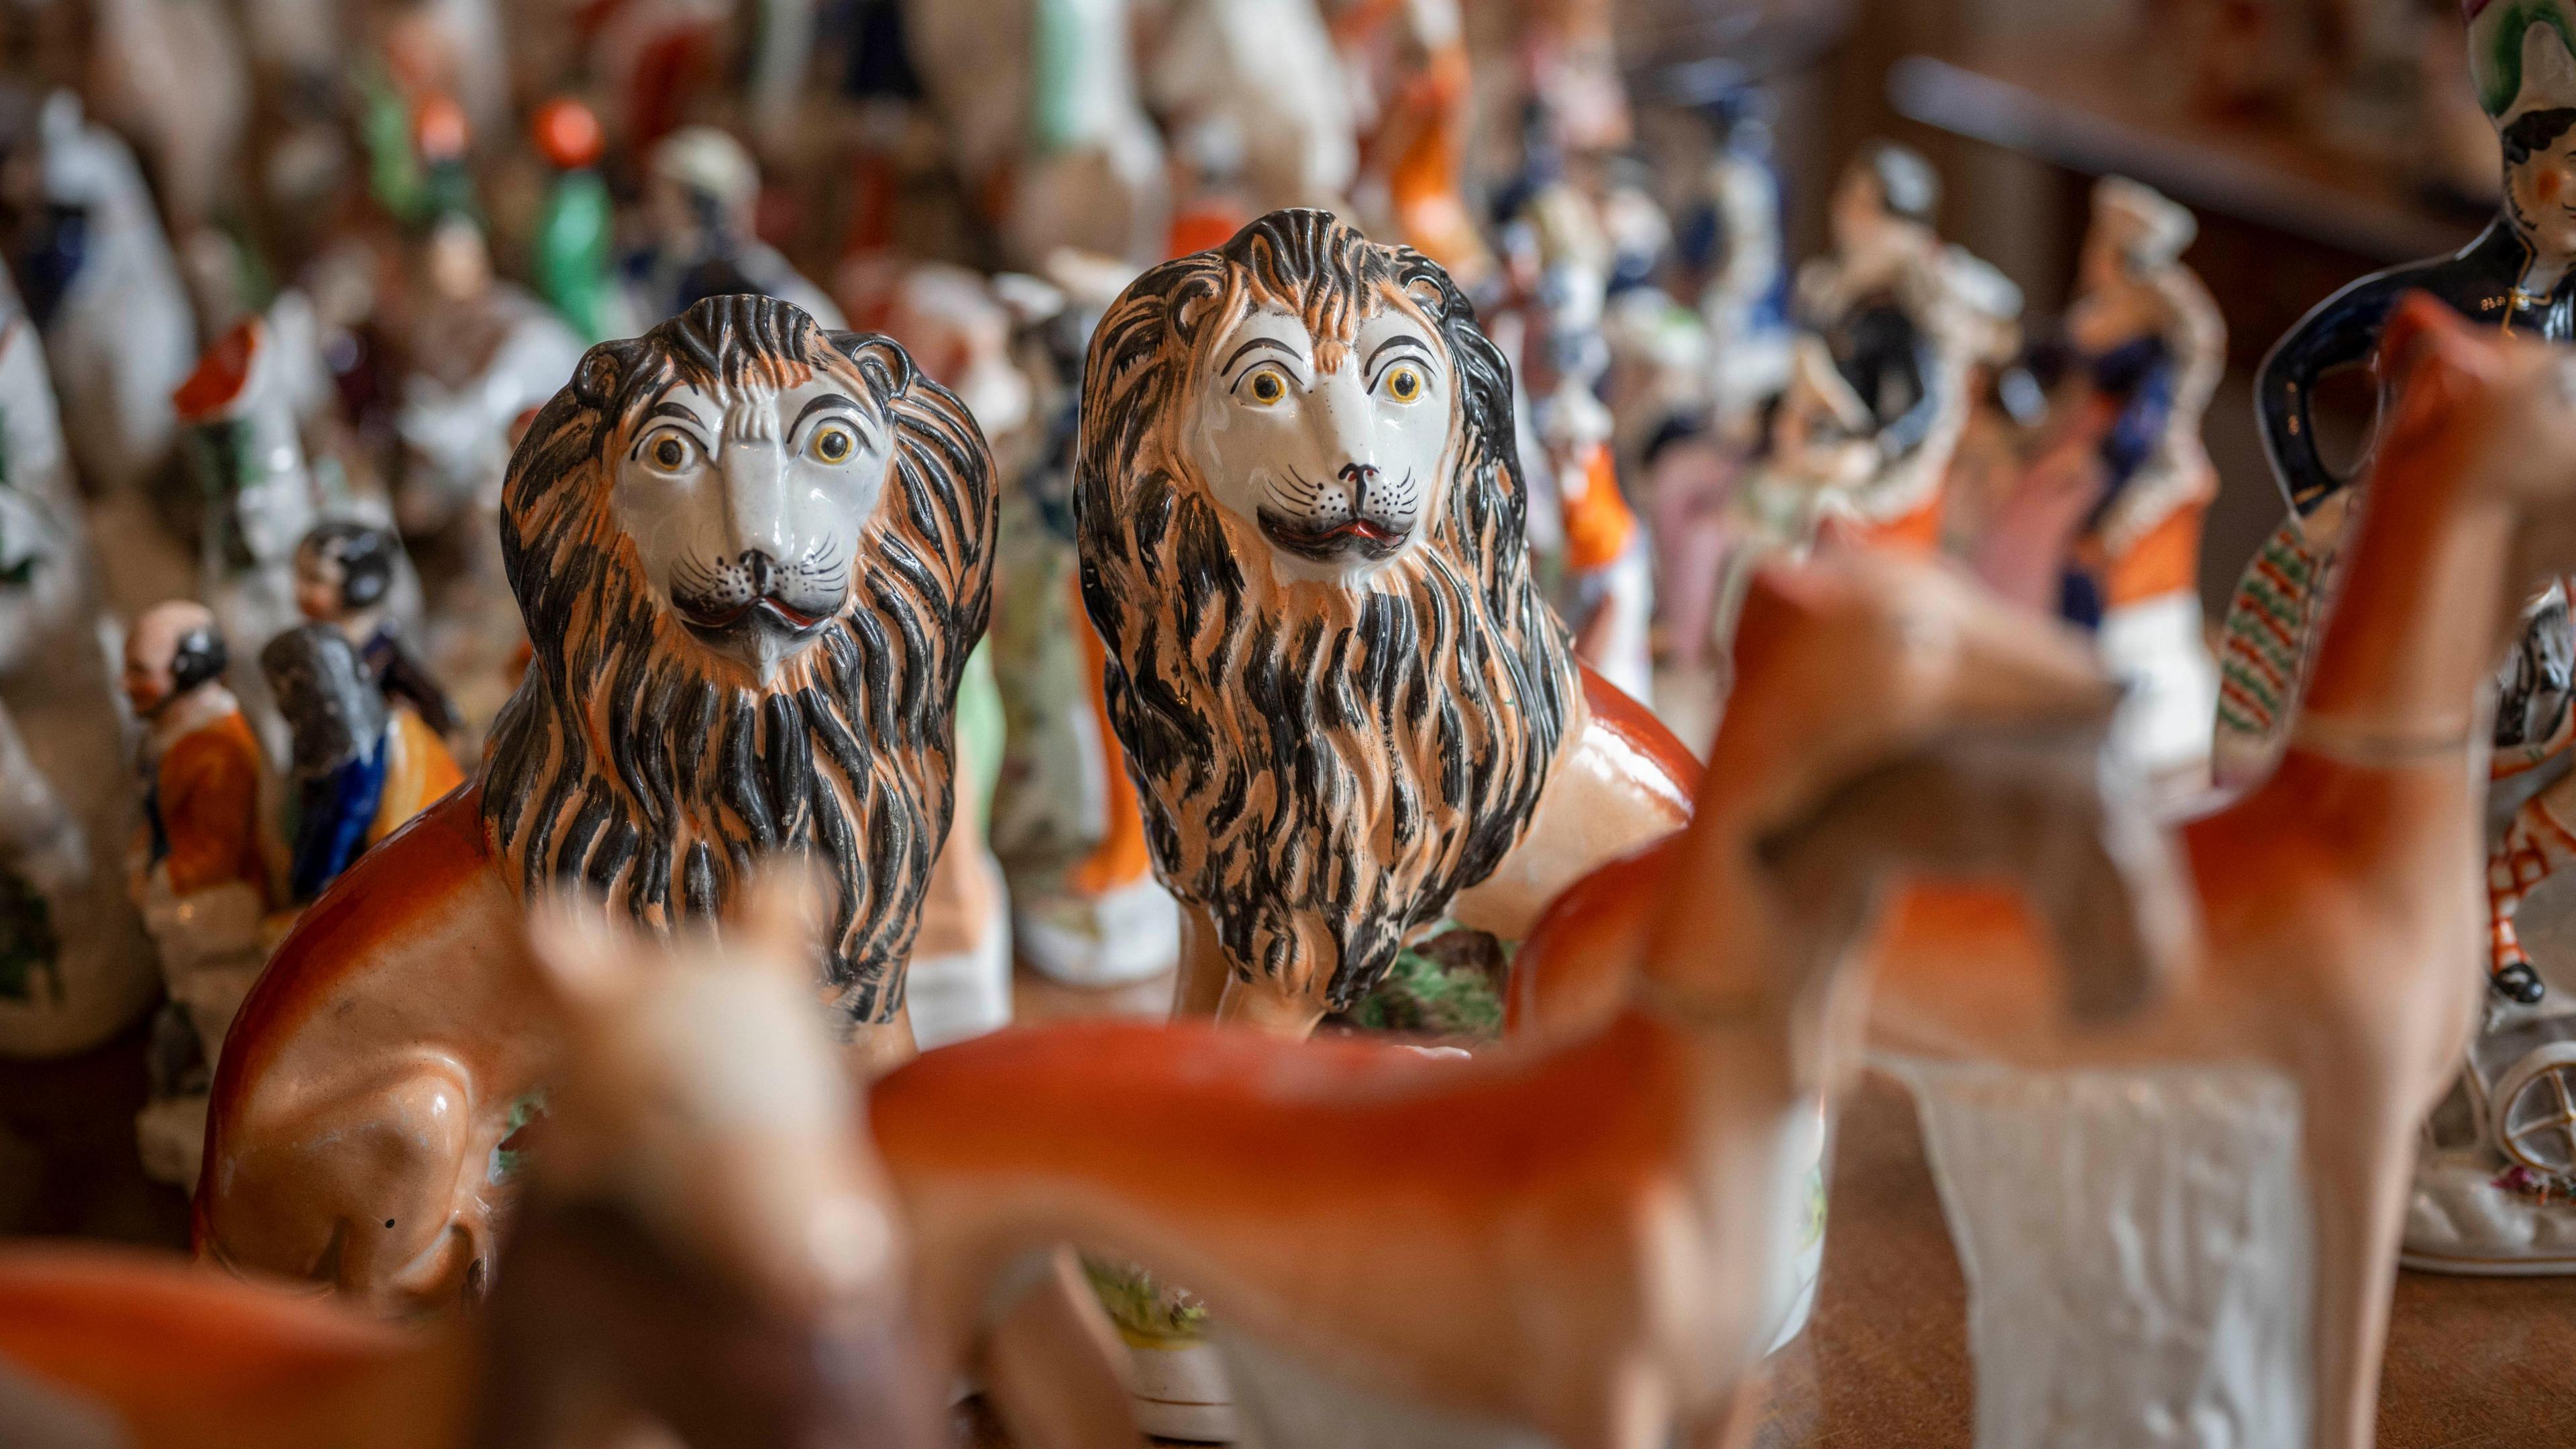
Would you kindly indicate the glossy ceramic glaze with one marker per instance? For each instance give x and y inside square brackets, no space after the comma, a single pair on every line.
[78,967]
[1302,540]
[2341,895]
[359,1107]
[1594,1233]
[708,1252]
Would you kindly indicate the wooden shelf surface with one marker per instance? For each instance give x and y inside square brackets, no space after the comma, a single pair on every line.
[2090,102]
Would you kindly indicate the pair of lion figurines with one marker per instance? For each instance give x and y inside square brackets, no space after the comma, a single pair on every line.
[753,557]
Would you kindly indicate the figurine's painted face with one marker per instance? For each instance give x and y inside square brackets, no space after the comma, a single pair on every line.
[1333,452]
[1857,211]
[746,505]
[318,581]
[153,650]
[2542,193]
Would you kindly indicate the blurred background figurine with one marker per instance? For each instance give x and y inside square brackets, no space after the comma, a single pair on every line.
[1266,72]
[575,252]
[254,497]
[360,764]
[1045,124]
[1908,320]
[202,873]
[344,577]
[701,190]
[74,965]
[1607,593]
[2103,528]
[102,286]
[1410,75]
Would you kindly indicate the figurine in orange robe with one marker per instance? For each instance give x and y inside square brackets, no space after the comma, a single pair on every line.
[202,763]
[200,875]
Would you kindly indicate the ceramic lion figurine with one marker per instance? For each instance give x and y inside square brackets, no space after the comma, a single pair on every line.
[753,557]
[1347,709]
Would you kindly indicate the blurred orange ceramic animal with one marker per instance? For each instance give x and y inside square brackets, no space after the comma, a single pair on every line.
[707,1246]
[2342,897]
[729,661]
[1585,1239]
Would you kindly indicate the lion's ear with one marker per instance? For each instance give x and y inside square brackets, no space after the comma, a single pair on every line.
[594,382]
[866,349]
[1190,306]
[1426,294]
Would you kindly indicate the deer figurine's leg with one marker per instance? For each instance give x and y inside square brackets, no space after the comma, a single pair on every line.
[1056,1368]
[1731,1421]
[2359,1123]
[1633,1410]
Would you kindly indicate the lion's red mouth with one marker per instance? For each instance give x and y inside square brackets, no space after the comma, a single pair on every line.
[1361,535]
[767,609]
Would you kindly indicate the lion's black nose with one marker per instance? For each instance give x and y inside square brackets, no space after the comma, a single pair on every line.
[762,568]
[1361,477]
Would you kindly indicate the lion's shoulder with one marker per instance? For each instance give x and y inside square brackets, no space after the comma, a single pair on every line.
[407,891]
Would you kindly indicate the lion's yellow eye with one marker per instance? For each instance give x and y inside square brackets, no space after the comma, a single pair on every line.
[669,453]
[1404,384]
[834,443]
[1267,388]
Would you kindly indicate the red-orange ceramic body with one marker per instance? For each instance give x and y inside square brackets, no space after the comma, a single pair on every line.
[2341,897]
[753,557]
[1586,1238]
[709,1248]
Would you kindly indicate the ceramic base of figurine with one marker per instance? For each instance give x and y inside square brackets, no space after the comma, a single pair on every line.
[1182,1391]
[2495,1188]
[1130,934]
[2136,1248]
[2467,1216]
[1281,1403]
[961,993]
[2155,649]
[213,945]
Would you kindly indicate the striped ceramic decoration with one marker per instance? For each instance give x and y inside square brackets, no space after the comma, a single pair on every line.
[2263,653]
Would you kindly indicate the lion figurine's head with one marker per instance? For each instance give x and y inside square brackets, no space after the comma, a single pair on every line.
[753,558]
[1301,526]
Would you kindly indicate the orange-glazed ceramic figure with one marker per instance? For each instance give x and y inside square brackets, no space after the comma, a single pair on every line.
[1585,1239]
[200,869]
[753,557]
[1346,707]
[708,1250]
[2341,896]
[1412,54]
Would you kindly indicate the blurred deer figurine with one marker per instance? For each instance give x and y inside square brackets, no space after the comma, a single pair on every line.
[707,1245]
[1583,1241]
[2344,913]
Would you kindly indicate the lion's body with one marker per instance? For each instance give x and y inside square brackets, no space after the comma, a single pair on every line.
[386,1054]
[1326,763]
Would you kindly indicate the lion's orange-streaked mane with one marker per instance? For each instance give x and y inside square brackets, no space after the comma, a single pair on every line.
[636,761]
[1322,768]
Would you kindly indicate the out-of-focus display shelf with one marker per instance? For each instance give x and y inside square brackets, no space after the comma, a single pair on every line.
[2086,101]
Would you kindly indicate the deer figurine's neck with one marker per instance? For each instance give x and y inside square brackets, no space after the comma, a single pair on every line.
[2410,645]
[1765,761]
